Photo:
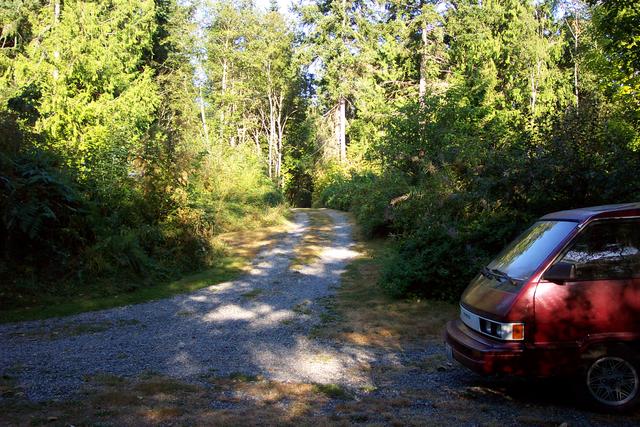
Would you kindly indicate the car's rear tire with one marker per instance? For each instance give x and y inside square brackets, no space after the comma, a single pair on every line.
[612,381]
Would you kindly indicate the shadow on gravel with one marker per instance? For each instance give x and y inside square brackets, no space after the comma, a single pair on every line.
[258,324]
[528,401]
[558,392]
[256,328]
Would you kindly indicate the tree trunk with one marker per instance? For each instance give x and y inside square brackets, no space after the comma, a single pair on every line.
[205,129]
[422,87]
[575,33]
[56,20]
[223,90]
[282,122]
[232,137]
[270,157]
[256,138]
[278,165]
[56,11]
[534,95]
[242,134]
[273,149]
[342,125]
[535,76]
[575,65]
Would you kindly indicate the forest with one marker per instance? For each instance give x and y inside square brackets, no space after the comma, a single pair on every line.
[133,133]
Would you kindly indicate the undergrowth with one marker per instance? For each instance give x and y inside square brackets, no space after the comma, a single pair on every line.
[61,240]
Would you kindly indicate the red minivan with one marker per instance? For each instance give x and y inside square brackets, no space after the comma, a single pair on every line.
[562,299]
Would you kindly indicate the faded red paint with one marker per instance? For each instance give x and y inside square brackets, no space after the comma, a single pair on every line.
[563,322]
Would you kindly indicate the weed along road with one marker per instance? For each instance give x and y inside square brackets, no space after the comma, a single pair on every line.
[295,339]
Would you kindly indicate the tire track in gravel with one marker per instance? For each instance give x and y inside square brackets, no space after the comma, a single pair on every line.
[258,324]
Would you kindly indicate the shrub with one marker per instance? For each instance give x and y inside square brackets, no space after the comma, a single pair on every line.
[366,194]
[42,215]
[61,234]
[372,201]
[432,263]
[440,258]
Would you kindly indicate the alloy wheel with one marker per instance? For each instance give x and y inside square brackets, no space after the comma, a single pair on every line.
[612,381]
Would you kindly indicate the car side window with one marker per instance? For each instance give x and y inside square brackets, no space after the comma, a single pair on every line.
[608,249]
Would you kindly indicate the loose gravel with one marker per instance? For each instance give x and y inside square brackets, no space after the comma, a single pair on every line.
[262,325]
[256,325]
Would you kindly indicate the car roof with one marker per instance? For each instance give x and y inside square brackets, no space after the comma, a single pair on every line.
[605,211]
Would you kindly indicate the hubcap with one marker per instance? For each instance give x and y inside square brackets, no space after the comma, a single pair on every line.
[612,381]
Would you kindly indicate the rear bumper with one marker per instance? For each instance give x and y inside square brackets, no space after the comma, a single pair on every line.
[484,355]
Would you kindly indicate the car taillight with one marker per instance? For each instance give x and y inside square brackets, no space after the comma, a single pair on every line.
[503,331]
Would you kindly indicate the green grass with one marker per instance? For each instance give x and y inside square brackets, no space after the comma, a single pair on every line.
[302,308]
[363,313]
[243,378]
[234,250]
[52,306]
[333,391]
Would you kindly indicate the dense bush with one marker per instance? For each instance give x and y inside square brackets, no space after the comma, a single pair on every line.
[455,217]
[365,194]
[63,232]
[514,121]
[57,239]
[43,217]
[447,248]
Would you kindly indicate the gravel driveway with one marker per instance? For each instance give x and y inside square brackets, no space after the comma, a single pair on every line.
[263,326]
[257,324]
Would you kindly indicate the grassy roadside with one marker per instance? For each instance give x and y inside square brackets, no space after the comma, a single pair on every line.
[152,399]
[236,251]
[240,399]
[362,313]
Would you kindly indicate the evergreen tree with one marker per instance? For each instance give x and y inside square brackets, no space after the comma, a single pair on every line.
[339,34]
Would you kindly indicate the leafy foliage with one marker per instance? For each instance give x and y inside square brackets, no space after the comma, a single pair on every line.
[107,180]
[461,123]
[42,217]
[519,123]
